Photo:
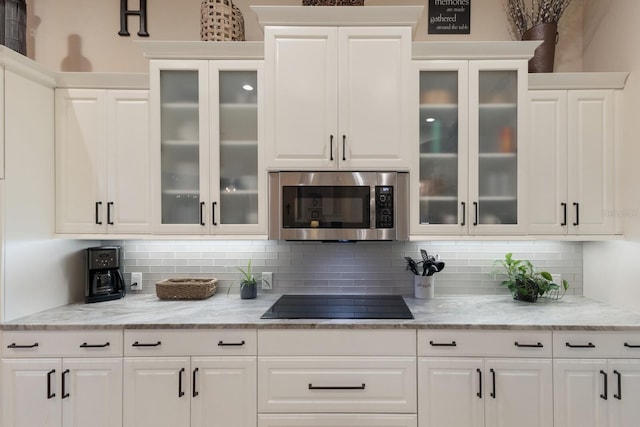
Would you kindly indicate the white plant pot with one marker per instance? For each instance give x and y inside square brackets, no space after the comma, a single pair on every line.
[423,286]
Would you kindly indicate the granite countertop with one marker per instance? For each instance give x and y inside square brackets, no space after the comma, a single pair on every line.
[222,311]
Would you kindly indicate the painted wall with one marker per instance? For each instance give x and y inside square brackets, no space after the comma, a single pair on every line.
[363,267]
[80,35]
[611,269]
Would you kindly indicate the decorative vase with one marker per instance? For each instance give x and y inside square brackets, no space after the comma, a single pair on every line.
[543,57]
[13,25]
[423,287]
[221,20]
[248,290]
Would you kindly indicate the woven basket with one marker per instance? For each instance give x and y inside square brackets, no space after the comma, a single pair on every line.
[333,2]
[221,20]
[186,288]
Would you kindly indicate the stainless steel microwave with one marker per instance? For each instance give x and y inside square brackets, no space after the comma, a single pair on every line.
[339,206]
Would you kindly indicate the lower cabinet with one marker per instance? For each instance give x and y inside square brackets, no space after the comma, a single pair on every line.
[46,391]
[336,420]
[457,390]
[184,391]
[198,378]
[596,382]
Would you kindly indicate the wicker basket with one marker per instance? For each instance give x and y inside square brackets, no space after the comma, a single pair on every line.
[333,2]
[186,288]
[221,20]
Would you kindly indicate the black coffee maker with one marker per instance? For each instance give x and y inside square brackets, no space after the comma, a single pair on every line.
[104,279]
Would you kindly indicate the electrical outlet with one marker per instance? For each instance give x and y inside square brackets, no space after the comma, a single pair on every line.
[136,281]
[267,281]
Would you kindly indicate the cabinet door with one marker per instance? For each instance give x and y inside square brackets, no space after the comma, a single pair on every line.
[2,102]
[179,101]
[591,163]
[128,174]
[92,392]
[439,199]
[156,392]
[237,178]
[497,145]
[301,93]
[81,161]
[450,392]
[223,392]
[31,392]
[373,93]
[624,393]
[520,392]
[548,159]
[578,387]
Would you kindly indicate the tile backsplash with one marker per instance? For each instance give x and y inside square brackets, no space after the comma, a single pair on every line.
[343,268]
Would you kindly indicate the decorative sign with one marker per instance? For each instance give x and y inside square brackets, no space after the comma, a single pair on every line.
[125,12]
[449,16]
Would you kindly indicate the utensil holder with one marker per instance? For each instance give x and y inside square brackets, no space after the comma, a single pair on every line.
[423,286]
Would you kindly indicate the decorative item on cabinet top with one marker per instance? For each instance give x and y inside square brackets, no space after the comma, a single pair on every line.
[333,2]
[221,20]
[13,25]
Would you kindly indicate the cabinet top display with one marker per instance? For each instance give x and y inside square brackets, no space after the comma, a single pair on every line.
[338,16]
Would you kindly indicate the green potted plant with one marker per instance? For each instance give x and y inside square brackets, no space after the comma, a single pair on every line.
[248,283]
[526,283]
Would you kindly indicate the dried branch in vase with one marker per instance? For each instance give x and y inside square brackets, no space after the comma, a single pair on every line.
[524,14]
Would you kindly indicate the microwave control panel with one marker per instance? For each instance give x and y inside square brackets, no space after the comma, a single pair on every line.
[384,206]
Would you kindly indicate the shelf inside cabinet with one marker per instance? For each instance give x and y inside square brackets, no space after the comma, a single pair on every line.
[497,199]
[439,156]
[181,105]
[187,143]
[438,198]
[175,192]
[497,156]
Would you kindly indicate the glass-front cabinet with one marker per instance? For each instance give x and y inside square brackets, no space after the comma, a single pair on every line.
[469,122]
[206,133]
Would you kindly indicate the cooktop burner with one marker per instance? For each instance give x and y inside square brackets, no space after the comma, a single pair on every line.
[339,307]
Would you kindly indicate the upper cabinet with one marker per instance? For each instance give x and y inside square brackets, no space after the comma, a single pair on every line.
[337,96]
[2,122]
[574,153]
[206,126]
[102,161]
[470,142]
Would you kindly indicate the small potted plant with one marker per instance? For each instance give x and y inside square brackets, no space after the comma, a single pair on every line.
[248,283]
[526,283]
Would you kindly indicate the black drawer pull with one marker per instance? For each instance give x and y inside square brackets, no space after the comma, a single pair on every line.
[493,379]
[50,395]
[619,394]
[590,345]
[604,396]
[479,393]
[443,344]
[85,345]
[137,344]
[538,345]
[14,345]
[64,384]
[631,345]
[195,376]
[230,344]
[180,392]
[354,387]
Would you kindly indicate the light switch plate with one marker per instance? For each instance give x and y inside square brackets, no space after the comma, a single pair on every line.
[267,281]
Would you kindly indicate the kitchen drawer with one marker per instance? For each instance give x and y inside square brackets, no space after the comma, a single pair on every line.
[181,342]
[337,384]
[589,344]
[334,342]
[333,420]
[493,343]
[80,343]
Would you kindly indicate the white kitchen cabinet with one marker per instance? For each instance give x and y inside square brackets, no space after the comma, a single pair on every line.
[206,124]
[40,390]
[102,161]
[2,122]
[337,97]
[456,386]
[572,160]
[471,134]
[203,378]
[596,379]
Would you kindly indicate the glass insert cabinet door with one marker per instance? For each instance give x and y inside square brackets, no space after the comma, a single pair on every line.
[494,137]
[180,156]
[443,149]
[238,146]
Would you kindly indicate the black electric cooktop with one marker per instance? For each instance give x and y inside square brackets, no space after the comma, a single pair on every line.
[339,307]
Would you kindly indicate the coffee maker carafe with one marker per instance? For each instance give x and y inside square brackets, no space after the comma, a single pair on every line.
[104,279]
